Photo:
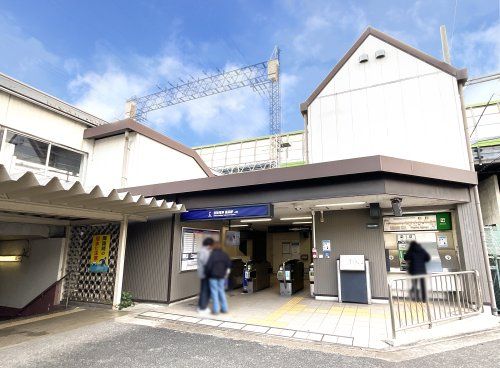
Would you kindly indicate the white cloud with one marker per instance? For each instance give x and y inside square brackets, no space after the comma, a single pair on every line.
[230,115]
[320,24]
[479,51]
[24,56]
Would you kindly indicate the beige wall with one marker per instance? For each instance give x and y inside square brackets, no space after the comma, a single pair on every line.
[22,281]
[278,257]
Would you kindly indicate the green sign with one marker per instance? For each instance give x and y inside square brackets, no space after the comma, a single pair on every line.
[443,221]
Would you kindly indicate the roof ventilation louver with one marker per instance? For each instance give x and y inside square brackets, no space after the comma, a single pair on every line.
[379,54]
[363,58]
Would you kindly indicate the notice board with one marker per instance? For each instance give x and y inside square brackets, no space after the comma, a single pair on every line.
[191,242]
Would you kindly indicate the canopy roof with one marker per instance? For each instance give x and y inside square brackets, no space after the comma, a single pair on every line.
[58,199]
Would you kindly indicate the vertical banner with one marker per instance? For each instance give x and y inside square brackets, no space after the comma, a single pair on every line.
[99,256]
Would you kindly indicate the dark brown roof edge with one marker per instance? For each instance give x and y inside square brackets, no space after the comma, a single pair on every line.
[362,165]
[120,126]
[459,74]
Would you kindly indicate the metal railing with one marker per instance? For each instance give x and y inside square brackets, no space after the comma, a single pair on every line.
[423,300]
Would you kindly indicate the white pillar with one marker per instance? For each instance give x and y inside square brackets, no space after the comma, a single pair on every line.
[120,261]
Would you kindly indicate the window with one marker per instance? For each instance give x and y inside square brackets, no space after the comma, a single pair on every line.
[28,149]
[64,159]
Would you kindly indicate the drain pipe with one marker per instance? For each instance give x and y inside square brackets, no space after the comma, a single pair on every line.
[491,289]
[126,151]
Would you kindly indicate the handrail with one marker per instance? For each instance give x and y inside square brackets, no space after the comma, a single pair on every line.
[42,294]
[421,300]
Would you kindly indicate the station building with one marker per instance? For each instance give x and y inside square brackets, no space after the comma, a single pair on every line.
[384,131]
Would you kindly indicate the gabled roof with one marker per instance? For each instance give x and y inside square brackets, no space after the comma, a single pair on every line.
[459,74]
[121,126]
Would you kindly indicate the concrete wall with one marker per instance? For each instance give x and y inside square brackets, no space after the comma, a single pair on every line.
[348,235]
[489,195]
[22,282]
[397,106]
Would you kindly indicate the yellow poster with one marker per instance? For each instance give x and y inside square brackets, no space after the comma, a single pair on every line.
[99,256]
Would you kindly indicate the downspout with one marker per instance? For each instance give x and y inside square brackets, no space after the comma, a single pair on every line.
[126,150]
[491,289]
[306,138]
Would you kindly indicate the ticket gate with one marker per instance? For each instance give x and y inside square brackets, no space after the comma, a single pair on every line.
[256,276]
[311,279]
[291,277]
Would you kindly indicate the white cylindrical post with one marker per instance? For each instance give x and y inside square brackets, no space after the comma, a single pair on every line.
[120,261]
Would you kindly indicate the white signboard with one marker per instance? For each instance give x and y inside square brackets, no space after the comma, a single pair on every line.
[352,262]
[410,223]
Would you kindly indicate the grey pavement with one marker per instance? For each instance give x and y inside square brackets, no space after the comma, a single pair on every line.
[115,344]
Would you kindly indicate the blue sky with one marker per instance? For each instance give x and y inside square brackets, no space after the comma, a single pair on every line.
[96,54]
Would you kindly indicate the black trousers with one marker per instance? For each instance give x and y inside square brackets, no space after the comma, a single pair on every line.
[204,298]
[416,293]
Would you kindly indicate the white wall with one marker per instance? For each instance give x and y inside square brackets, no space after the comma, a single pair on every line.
[39,122]
[149,162]
[104,167]
[22,282]
[397,106]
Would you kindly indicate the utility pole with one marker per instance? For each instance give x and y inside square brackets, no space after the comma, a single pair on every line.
[444,45]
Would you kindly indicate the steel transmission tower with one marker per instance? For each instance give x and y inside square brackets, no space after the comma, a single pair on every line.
[263,78]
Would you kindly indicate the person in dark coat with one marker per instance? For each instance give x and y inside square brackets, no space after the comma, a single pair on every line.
[217,270]
[417,257]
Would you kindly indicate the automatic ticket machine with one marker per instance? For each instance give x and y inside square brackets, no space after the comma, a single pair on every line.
[256,276]
[291,277]
[236,276]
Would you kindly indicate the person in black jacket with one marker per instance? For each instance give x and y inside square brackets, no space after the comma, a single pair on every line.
[217,270]
[417,257]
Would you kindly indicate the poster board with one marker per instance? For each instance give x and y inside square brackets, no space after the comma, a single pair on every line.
[191,242]
[99,254]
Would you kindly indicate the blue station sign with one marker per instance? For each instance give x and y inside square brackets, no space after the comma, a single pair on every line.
[227,213]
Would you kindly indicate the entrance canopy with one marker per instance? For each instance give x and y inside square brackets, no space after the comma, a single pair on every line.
[64,203]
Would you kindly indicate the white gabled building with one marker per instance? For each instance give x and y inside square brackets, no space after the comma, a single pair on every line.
[387,98]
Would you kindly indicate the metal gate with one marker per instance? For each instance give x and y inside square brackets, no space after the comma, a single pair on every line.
[83,285]
[426,299]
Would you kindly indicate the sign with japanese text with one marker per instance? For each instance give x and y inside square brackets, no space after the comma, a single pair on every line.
[99,256]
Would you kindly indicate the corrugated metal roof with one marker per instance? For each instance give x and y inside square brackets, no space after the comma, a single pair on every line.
[28,189]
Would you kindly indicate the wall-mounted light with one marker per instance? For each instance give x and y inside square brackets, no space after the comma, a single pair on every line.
[301,222]
[296,218]
[256,220]
[11,258]
[340,204]
[239,225]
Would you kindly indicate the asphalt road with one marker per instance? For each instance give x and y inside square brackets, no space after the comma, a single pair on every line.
[112,344]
